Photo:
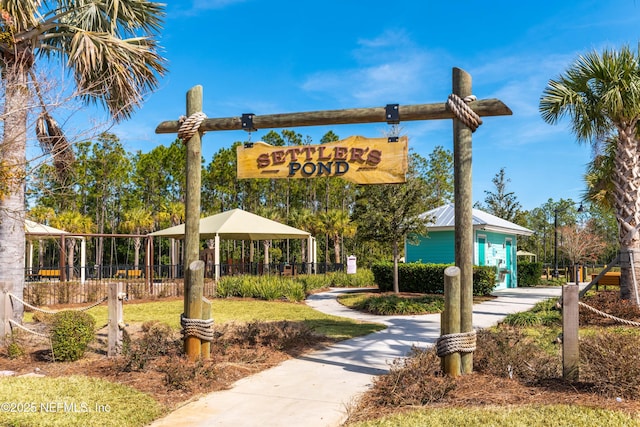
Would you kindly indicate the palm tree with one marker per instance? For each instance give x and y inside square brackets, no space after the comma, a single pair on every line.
[137,221]
[601,95]
[337,224]
[111,51]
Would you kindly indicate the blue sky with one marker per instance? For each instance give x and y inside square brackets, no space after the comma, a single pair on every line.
[267,57]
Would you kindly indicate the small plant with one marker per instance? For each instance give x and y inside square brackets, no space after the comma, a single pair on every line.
[71,333]
[15,350]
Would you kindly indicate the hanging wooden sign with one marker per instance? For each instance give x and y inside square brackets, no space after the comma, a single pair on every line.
[357,159]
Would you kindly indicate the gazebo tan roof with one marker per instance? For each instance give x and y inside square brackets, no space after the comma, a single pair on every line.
[33,228]
[237,224]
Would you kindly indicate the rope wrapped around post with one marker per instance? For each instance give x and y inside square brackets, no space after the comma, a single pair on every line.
[190,125]
[199,328]
[464,342]
[463,112]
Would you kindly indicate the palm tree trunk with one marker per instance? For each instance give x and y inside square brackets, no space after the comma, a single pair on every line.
[13,163]
[336,248]
[627,206]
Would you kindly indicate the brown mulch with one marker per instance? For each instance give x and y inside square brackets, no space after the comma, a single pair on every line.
[226,366]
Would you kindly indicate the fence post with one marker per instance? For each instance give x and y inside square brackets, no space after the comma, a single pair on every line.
[115,323]
[570,319]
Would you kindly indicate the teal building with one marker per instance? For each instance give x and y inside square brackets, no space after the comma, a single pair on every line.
[495,243]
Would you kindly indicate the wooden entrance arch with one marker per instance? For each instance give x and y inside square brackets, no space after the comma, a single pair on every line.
[461,85]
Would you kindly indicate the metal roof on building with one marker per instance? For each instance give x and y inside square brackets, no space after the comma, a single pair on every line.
[443,218]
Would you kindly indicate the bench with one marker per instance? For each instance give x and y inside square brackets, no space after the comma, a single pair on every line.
[610,278]
[49,274]
[129,274]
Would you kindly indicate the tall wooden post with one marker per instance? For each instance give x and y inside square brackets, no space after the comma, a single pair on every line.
[463,212]
[193,293]
[451,317]
[115,322]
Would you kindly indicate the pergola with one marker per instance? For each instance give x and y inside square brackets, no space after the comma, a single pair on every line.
[237,224]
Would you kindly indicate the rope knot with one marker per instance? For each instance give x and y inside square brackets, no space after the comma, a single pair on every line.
[464,342]
[463,112]
[190,125]
[199,328]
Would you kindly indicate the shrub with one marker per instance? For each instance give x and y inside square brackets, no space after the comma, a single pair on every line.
[610,361]
[544,313]
[412,381]
[262,287]
[529,273]
[509,352]
[71,333]
[180,374]
[395,305]
[157,339]
[312,282]
[428,278]
[279,335]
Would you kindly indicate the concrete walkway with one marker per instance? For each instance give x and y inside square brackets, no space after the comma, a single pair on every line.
[315,390]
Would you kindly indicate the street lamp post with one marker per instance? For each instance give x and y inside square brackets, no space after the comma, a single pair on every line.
[555,244]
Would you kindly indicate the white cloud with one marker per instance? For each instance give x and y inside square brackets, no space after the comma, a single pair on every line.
[388,68]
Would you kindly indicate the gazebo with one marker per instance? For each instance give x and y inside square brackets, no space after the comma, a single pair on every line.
[37,231]
[237,224]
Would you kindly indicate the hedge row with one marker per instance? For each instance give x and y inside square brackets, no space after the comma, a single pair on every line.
[429,278]
[529,273]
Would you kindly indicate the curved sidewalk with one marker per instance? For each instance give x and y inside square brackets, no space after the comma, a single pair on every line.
[316,389]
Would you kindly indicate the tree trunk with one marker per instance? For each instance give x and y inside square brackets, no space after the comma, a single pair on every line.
[137,243]
[71,249]
[396,282]
[336,248]
[13,163]
[627,206]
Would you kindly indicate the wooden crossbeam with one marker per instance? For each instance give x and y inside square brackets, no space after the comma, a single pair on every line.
[437,111]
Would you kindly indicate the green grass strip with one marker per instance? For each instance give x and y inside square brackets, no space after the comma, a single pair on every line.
[73,401]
